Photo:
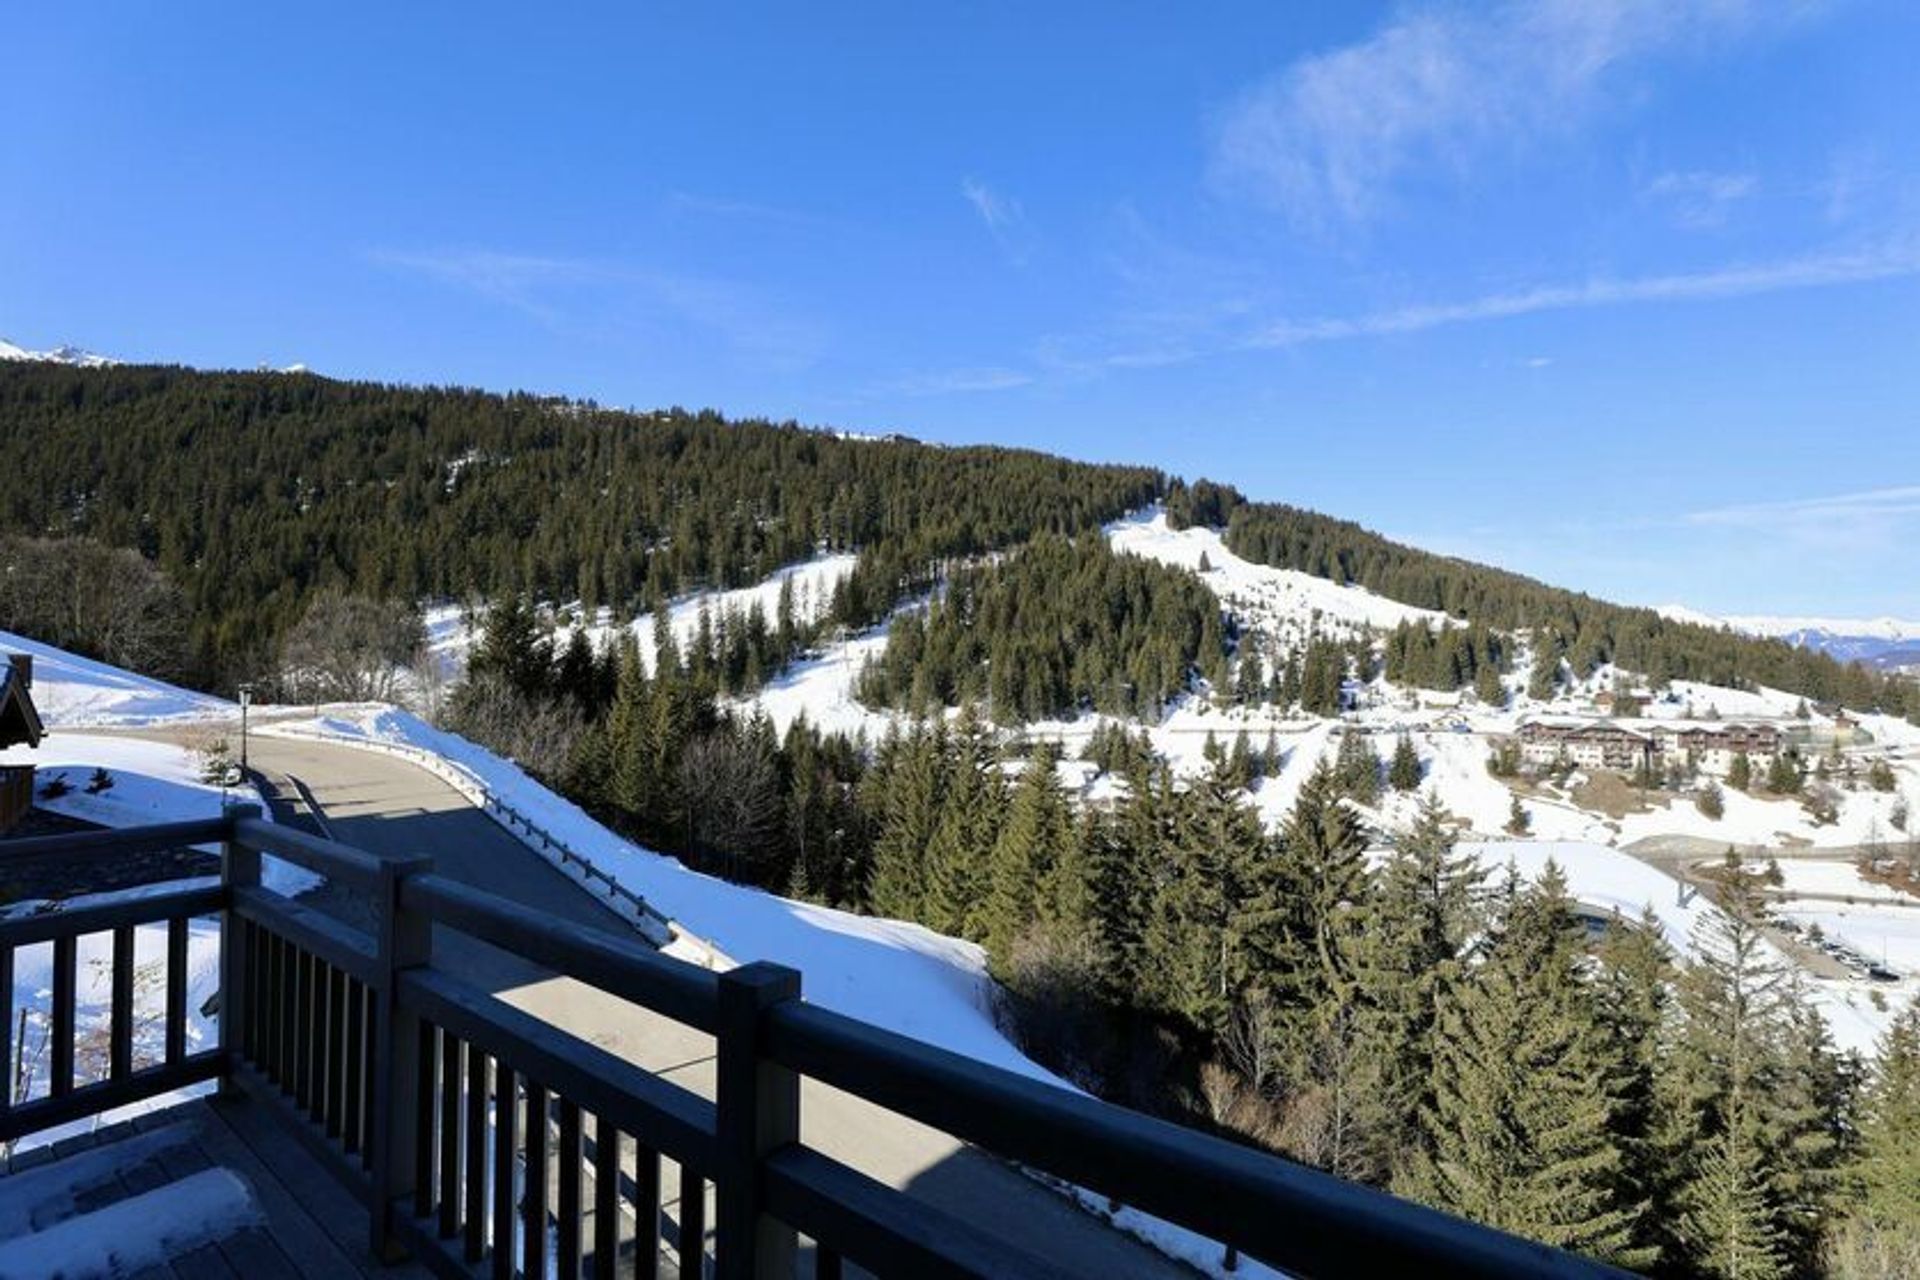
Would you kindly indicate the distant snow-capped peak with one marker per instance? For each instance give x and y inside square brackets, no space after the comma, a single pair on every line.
[1787,627]
[1892,643]
[63,354]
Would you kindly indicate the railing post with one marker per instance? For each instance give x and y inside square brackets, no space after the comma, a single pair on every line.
[404,940]
[239,869]
[759,1112]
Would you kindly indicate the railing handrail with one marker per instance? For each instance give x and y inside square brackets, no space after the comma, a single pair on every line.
[1291,1216]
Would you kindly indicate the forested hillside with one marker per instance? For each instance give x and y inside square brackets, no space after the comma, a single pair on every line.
[1584,631]
[254,491]
[1055,628]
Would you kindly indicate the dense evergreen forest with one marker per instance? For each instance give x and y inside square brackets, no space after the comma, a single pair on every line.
[253,492]
[1583,631]
[1413,1022]
[1054,628]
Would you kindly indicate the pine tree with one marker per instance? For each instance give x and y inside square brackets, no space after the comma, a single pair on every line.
[1038,827]
[1319,884]
[1518,1133]
[1357,767]
[1740,772]
[629,767]
[1633,980]
[1426,905]
[1487,687]
[1194,950]
[1404,772]
[1519,822]
[1729,1222]
[1889,1164]
[963,839]
[915,783]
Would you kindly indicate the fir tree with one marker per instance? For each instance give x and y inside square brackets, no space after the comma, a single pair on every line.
[1404,772]
[1518,1134]
[1357,767]
[1888,1165]
[1037,830]
[914,785]
[1426,905]
[963,839]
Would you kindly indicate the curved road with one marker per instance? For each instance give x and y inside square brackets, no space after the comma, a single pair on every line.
[387,805]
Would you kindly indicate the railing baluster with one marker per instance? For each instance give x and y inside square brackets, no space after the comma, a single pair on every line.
[6,1030]
[317,1041]
[61,1061]
[301,989]
[336,1050]
[449,1135]
[503,1158]
[693,1224]
[255,969]
[476,1241]
[354,1113]
[566,1161]
[120,1029]
[826,1263]
[606,1199]
[646,1212]
[283,1011]
[176,1021]
[533,1197]
[423,1132]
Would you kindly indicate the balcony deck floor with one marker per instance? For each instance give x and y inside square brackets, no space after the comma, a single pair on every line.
[314,1228]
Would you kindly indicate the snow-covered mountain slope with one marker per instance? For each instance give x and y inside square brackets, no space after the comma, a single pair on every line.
[451,630]
[1881,642]
[58,355]
[1285,603]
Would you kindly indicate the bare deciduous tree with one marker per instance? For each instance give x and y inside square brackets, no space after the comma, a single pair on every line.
[350,649]
[106,602]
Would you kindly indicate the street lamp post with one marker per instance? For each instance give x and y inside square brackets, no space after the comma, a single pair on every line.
[246,699]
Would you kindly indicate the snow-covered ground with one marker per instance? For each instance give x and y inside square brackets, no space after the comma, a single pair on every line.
[72,692]
[1836,879]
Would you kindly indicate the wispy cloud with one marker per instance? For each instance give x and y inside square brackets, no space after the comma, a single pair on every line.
[1863,520]
[1005,220]
[1812,271]
[953,382]
[516,279]
[1701,200]
[605,297]
[1899,501]
[1440,85]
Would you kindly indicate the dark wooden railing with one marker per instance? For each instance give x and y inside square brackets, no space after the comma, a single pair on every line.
[478,1135]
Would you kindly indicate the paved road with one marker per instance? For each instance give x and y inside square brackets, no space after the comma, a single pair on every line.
[389,806]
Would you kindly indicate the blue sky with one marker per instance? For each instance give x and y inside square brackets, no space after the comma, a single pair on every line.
[1622,293]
